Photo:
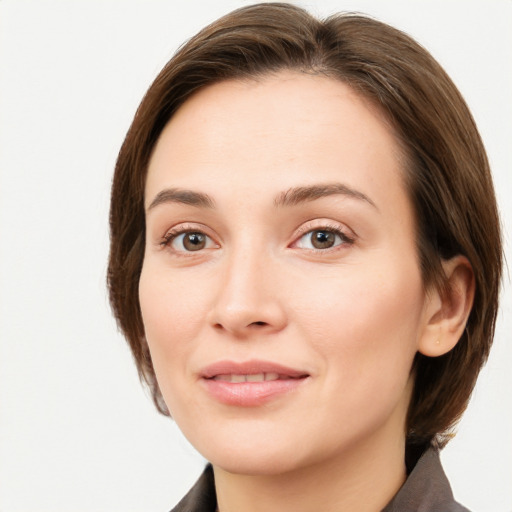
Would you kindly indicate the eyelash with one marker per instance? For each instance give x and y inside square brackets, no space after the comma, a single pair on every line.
[336,230]
[171,235]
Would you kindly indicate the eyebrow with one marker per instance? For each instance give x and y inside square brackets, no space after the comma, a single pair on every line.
[298,195]
[291,197]
[178,195]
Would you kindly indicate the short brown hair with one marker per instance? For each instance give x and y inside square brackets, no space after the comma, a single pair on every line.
[447,176]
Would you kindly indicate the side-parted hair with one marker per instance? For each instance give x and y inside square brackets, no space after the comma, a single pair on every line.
[446,172]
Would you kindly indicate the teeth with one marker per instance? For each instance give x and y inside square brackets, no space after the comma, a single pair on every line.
[253,377]
[257,377]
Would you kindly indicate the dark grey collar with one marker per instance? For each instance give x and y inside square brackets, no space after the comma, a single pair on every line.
[426,489]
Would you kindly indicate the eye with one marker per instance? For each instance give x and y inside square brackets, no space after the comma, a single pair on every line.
[188,241]
[318,239]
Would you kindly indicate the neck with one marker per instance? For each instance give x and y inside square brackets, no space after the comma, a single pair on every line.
[364,479]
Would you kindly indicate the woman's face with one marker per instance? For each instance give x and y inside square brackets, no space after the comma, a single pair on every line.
[281,293]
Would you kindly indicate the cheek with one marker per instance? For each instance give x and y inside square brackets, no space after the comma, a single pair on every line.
[172,313]
[365,317]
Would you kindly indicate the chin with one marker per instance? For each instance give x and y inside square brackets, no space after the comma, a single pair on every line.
[261,464]
[254,455]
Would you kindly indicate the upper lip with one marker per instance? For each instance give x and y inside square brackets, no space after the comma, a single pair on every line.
[251,367]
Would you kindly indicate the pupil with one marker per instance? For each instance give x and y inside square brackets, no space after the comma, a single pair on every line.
[323,239]
[194,241]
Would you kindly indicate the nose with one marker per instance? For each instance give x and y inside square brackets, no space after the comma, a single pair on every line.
[248,299]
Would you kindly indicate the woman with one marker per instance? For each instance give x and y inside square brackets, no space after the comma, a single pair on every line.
[305,260]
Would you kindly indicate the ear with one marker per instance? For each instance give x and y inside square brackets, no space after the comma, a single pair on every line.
[447,311]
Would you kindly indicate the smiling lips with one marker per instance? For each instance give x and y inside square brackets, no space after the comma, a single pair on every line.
[252,377]
[251,383]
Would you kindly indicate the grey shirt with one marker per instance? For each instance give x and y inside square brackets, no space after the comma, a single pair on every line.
[425,490]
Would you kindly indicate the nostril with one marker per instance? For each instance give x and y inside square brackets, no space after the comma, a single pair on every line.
[255,324]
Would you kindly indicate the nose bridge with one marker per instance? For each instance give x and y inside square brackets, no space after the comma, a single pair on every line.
[247,298]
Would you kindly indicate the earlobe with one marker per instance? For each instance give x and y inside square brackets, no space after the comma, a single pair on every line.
[447,310]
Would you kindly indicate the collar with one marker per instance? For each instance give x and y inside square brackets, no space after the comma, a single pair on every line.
[426,489]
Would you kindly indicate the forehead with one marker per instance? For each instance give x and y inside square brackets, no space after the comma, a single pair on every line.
[276,131]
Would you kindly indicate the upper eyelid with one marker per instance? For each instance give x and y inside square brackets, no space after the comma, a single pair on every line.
[319,224]
[184,227]
[302,230]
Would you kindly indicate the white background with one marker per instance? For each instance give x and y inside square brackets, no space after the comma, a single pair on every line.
[77,433]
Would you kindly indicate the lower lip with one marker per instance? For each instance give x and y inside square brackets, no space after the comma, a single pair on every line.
[250,394]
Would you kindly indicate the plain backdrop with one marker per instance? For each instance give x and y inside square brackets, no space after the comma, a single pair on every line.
[77,432]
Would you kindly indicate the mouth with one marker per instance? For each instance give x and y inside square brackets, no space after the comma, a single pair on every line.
[251,383]
[252,377]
